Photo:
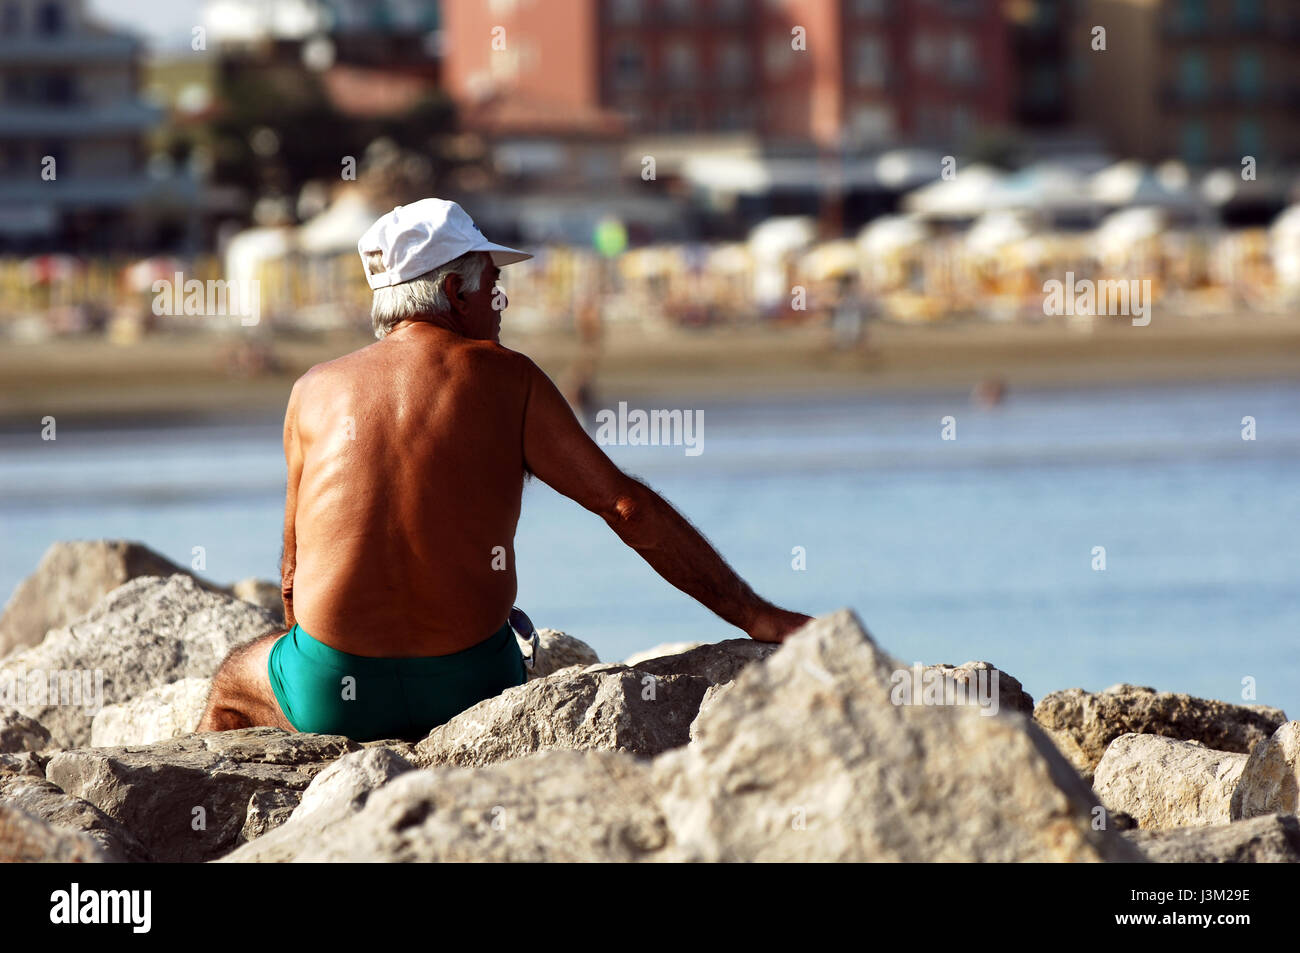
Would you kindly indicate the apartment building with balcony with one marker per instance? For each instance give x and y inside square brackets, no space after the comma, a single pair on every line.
[70,108]
[1207,82]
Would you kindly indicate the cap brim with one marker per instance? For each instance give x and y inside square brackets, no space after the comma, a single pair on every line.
[503,255]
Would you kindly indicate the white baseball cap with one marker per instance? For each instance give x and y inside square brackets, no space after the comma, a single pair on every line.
[417,238]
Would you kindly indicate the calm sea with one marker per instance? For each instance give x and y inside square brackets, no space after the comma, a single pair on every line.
[980,547]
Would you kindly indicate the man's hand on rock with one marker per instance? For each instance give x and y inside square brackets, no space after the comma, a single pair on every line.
[773,625]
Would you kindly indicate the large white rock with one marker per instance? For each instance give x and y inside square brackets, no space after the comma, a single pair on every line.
[1164,783]
[1270,783]
[143,635]
[70,578]
[168,711]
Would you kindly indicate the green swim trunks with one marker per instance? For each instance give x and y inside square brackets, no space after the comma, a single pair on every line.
[321,689]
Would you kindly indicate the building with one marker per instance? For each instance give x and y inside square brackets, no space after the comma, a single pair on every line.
[826,74]
[1208,82]
[72,128]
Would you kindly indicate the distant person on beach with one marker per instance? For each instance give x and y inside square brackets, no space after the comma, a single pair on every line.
[406,463]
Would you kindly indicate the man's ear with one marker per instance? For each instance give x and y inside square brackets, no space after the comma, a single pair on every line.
[451,287]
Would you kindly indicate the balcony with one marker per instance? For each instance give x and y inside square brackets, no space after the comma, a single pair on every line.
[68,49]
[82,121]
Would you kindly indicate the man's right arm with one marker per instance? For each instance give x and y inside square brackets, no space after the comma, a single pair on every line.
[560,453]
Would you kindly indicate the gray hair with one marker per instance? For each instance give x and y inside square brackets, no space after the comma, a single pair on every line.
[420,298]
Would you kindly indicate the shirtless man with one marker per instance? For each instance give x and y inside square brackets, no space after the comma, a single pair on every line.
[406,463]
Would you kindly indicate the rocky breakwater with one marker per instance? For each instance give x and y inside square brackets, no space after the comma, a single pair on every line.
[728,751]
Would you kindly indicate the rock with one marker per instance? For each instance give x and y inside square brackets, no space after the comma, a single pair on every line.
[43,800]
[340,790]
[21,733]
[716,661]
[1270,783]
[1274,839]
[25,763]
[141,636]
[710,698]
[1164,783]
[70,578]
[556,806]
[261,593]
[1010,693]
[167,711]
[1071,751]
[556,650]
[25,839]
[806,757]
[187,798]
[268,811]
[1095,720]
[659,651]
[615,708]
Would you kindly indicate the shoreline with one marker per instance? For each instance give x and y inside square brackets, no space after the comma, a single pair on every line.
[172,379]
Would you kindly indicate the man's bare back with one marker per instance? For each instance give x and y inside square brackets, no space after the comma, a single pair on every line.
[408,462]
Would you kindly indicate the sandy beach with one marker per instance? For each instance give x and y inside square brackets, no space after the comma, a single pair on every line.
[178,376]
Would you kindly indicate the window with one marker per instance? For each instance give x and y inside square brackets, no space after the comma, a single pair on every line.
[629,66]
[1250,137]
[869,62]
[1249,75]
[11,18]
[925,51]
[681,63]
[873,125]
[867,8]
[49,19]
[961,59]
[1193,75]
[1248,13]
[778,55]
[625,11]
[1192,15]
[733,63]
[1195,138]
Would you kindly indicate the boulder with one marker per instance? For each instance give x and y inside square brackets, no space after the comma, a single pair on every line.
[167,711]
[41,799]
[187,799]
[143,635]
[556,650]
[18,732]
[607,706]
[1164,783]
[555,806]
[717,662]
[70,578]
[25,839]
[659,651]
[1010,693]
[1274,839]
[1094,720]
[26,763]
[1270,783]
[261,593]
[807,757]
[339,791]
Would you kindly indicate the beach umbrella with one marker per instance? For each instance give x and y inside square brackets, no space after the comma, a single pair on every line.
[338,227]
[890,234]
[966,195]
[779,236]
[994,231]
[140,276]
[1121,231]
[1130,183]
[1284,239]
[831,260]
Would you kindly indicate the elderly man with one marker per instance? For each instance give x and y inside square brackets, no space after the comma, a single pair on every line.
[406,465]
